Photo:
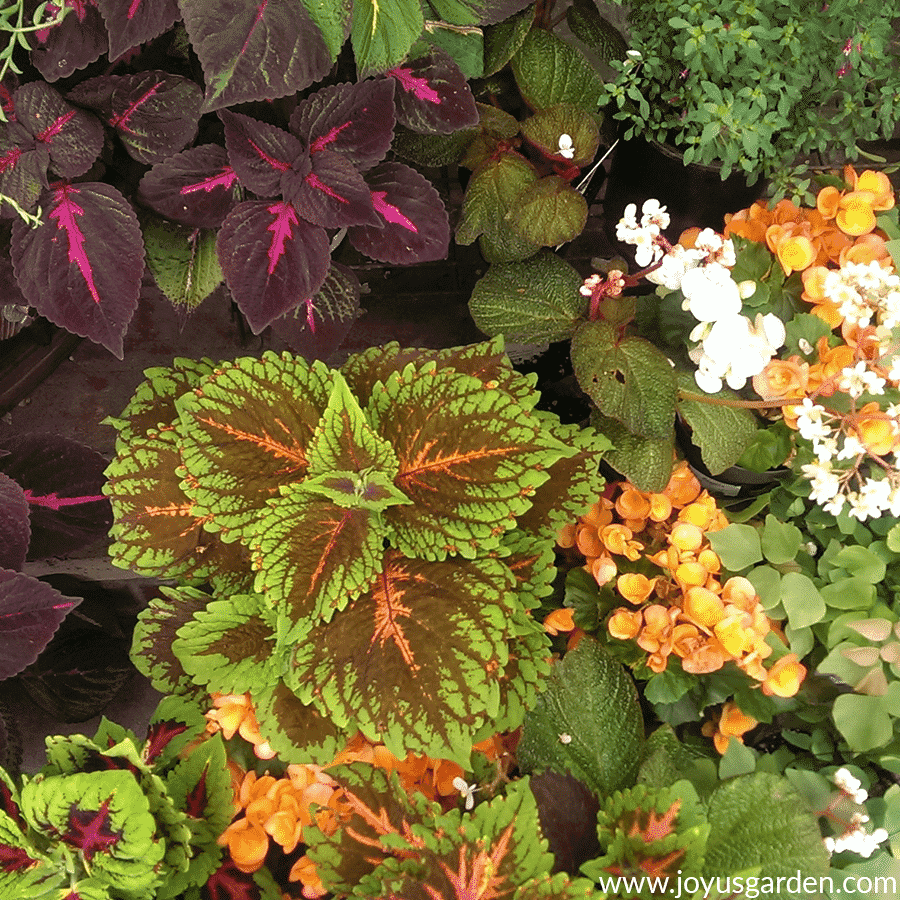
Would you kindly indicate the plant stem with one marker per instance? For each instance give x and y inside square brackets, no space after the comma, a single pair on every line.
[738,404]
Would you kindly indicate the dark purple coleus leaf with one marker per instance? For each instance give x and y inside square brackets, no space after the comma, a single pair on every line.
[154,113]
[73,137]
[23,168]
[197,187]
[432,95]
[61,481]
[568,813]
[78,40]
[333,194]
[354,119]
[228,882]
[271,259]
[132,22]
[30,612]
[15,531]
[82,267]
[415,225]
[318,326]
[254,49]
[262,155]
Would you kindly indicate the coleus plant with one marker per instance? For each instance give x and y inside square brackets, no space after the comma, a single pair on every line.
[372,539]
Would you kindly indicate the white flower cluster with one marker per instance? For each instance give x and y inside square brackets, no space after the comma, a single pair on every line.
[644,235]
[863,292]
[855,838]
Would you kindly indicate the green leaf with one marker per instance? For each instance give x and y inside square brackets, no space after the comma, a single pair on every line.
[768,448]
[332,20]
[737,760]
[548,212]
[183,261]
[627,378]
[893,539]
[529,302]
[600,35]
[645,462]
[503,40]
[865,722]
[780,541]
[545,127]
[586,723]
[721,432]
[760,821]
[433,150]
[371,491]
[738,546]
[862,563]
[548,70]
[849,593]
[383,31]
[466,48]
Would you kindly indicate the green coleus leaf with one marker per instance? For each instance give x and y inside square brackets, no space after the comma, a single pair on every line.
[105,818]
[470,458]
[628,378]
[586,723]
[228,646]
[344,439]
[364,490]
[314,556]
[645,462]
[176,722]
[548,212]
[416,660]
[549,71]
[544,129]
[529,302]
[760,821]
[244,433]
[383,31]
[25,872]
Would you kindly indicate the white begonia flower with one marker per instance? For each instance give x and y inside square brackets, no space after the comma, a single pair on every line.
[858,379]
[747,288]
[810,420]
[825,483]
[835,505]
[826,449]
[466,790]
[707,381]
[674,265]
[894,501]
[565,738]
[634,54]
[710,293]
[645,250]
[805,346]
[852,448]
[566,147]
[654,216]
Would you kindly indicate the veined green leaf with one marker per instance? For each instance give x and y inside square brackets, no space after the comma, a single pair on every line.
[363,490]
[548,212]
[382,32]
[645,462]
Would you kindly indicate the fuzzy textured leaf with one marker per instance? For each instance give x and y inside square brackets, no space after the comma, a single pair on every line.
[645,462]
[544,129]
[77,41]
[548,212]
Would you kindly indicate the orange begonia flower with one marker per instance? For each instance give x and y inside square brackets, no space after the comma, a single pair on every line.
[814,292]
[247,843]
[734,722]
[625,624]
[878,184]
[635,587]
[793,248]
[690,574]
[565,537]
[710,561]
[603,569]
[732,633]
[740,592]
[750,223]
[599,514]
[618,540]
[878,432]
[785,677]
[782,378]
[855,214]
[683,487]
[703,607]
[868,248]
[559,620]
[827,201]
[587,541]
[632,504]
[708,657]
[686,536]
[304,871]
[688,237]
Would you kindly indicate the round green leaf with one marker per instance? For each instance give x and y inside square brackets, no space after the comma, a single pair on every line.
[801,600]
[863,721]
[780,541]
[545,127]
[549,212]
[738,546]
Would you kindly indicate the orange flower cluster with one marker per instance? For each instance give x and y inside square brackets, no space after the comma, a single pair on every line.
[685,610]
[233,714]
[732,724]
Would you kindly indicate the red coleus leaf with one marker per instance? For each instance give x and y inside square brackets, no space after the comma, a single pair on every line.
[14,859]
[432,94]
[254,49]
[159,734]
[154,113]
[30,613]
[333,194]
[271,258]
[415,226]
[15,531]
[228,882]
[23,168]
[90,831]
[262,154]
[82,267]
[131,22]
[61,480]
[73,137]
[354,119]
[78,40]
[197,187]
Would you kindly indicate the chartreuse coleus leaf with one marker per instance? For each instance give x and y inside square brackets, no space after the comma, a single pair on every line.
[415,661]
[229,646]
[244,433]
[470,458]
[370,489]
[104,820]
[25,872]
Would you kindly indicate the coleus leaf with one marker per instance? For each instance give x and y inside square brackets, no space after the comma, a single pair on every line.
[245,431]
[15,531]
[77,41]
[371,491]
[255,49]
[82,267]
[414,661]
[196,187]
[133,22]
[316,327]
[30,613]
[432,94]
[414,228]
[477,12]
[382,32]
[271,259]
[354,119]
[334,194]
[175,724]
[62,481]
[73,137]
[262,154]
[23,168]
[24,871]
[155,114]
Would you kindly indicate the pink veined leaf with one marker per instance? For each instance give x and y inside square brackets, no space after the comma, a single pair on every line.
[333,194]
[55,502]
[82,267]
[133,22]
[23,168]
[271,259]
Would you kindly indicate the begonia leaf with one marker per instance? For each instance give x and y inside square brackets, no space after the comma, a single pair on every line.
[600,35]
[432,94]
[130,23]
[155,113]
[196,187]
[432,150]
[82,267]
[414,226]
[15,530]
[271,259]
[501,41]
[477,12]
[260,153]
[354,119]
[62,481]
[252,50]
[468,476]
[75,42]
[72,136]
[30,613]
[548,212]
[245,431]
[317,326]
[228,646]
[645,461]
[23,168]
[544,129]
[382,32]
[415,660]
[333,194]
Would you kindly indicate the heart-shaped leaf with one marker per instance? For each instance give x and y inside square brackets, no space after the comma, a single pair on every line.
[545,128]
